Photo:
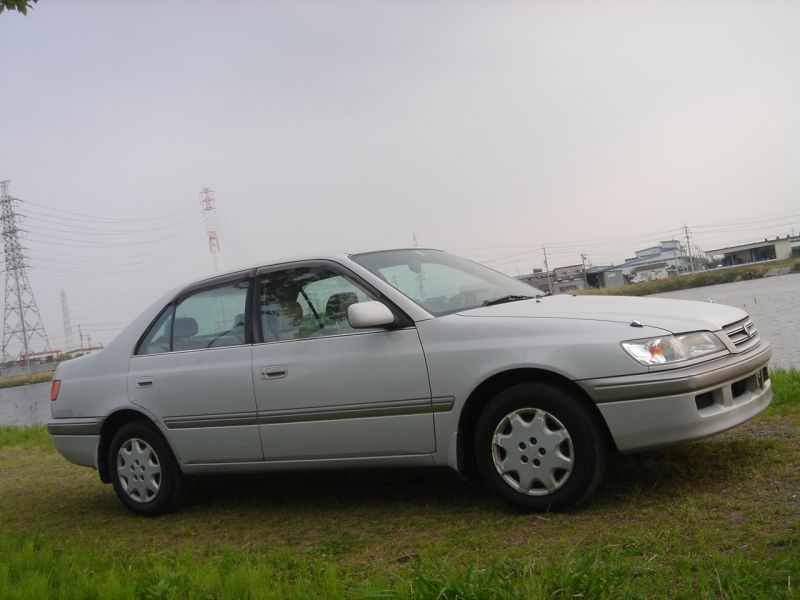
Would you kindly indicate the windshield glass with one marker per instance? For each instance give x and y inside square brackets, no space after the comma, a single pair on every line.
[442,283]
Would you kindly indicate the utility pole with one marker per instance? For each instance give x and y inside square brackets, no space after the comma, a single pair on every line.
[414,240]
[21,318]
[80,332]
[210,216]
[583,263]
[689,247]
[69,339]
[547,270]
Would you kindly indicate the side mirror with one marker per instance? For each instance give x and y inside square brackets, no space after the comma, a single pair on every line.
[369,314]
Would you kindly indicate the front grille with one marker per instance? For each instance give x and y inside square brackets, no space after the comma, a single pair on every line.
[742,334]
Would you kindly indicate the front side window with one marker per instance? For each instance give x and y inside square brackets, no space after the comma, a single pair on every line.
[307,302]
[442,283]
[211,318]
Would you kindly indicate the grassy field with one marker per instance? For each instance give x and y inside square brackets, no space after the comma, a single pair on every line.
[719,518]
[701,279]
[15,380]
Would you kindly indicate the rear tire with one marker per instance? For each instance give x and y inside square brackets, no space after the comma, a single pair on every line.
[539,448]
[145,475]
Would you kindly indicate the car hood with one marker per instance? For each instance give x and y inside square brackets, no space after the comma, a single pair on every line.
[672,315]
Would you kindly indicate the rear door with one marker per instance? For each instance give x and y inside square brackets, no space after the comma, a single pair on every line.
[193,371]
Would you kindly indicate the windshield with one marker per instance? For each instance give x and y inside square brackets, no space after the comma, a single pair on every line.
[442,283]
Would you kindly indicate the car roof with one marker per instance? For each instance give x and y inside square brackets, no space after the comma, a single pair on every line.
[325,255]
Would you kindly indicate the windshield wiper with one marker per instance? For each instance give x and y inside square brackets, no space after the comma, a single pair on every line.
[504,299]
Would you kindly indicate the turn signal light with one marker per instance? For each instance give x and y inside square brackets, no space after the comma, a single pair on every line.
[55,387]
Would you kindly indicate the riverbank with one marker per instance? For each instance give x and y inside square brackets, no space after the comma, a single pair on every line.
[17,380]
[711,519]
[702,279]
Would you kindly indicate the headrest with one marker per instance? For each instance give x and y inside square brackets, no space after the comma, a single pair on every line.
[293,309]
[338,303]
[184,327]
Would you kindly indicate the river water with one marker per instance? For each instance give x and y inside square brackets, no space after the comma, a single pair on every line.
[25,405]
[774,305]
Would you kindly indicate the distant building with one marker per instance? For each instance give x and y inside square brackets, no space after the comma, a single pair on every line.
[669,252]
[83,351]
[561,280]
[777,249]
[651,272]
[564,280]
[603,277]
[47,355]
[537,279]
[569,285]
[568,272]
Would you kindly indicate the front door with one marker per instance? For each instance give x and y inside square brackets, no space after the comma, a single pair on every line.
[326,390]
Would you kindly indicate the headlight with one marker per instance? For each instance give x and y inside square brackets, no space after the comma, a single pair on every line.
[673,348]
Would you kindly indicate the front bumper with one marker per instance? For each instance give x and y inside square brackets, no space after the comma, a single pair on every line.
[667,407]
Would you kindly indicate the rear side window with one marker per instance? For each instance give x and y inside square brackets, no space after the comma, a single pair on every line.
[211,318]
[158,337]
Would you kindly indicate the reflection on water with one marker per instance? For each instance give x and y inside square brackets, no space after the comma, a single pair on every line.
[774,305]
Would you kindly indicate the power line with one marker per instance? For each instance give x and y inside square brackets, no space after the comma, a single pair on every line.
[777,216]
[103,243]
[99,231]
[83,217]
[611,244]
[42,248]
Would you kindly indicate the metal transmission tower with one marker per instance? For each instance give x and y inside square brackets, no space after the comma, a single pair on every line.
[22,322]
[210,216]
[69,339]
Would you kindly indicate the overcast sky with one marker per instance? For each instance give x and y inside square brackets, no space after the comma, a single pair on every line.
[488,129]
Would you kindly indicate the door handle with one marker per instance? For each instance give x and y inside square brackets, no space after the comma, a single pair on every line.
[144,383]
[272,373]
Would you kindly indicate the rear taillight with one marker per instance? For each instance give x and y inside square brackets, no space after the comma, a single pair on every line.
[54,389]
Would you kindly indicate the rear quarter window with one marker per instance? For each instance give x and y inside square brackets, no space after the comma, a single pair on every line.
[159,337]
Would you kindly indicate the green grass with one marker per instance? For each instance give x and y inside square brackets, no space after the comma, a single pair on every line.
[16,380]
[36,569]
[786,387]
[701,279]
[719,518]
[32,436]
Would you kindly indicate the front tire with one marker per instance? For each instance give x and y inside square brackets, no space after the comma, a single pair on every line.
[145,475]
[539,448]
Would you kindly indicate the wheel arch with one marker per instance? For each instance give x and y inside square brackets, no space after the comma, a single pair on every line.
[480,397]
[111,424]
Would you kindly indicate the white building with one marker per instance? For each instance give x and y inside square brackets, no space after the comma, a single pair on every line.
[668,252]
[777,249]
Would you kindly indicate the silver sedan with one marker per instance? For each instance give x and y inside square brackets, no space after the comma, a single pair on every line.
[401,358]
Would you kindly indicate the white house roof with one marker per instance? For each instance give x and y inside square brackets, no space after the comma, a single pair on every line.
[750,246]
